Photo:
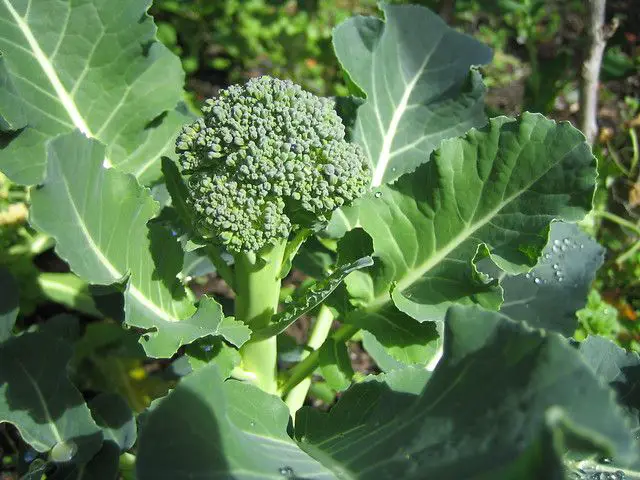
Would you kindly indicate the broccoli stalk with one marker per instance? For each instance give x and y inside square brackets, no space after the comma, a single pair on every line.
[257,287]
[267,162]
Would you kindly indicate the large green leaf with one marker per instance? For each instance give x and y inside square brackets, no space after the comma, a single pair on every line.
[414,70]
[210,429]
[91,65]
[549,295]
[504,402]
[38,398]
[119,428]
[99,219]
[620,369]
[8,304]
[493,192]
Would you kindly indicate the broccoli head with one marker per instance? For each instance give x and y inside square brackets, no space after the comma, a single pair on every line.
[266,159]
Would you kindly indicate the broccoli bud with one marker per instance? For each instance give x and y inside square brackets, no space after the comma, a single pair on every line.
[267,159]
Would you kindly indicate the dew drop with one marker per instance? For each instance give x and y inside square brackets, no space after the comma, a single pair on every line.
[29,456]
[560,278]
[556,242]
[63,451]
[286,472]
[555,248]
[527,275]
[377,194]
[252,423]
[547,256]
[567,241]
[537,281]
[564,248]
[556,266]
[581,246]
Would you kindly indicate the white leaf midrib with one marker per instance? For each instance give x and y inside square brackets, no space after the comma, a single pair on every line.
[385,155]
[63,96]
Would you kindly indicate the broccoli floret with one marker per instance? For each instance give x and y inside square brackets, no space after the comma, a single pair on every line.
[267,159]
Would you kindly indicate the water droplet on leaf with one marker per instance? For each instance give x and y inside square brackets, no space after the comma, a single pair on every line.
[377,194]
[286,471]
[29,456]
[528,275]
[556,266]
[537,281]
[63,451]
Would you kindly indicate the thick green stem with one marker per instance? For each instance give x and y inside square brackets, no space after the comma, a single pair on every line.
[127,464]
[257,287]
[307,366]
[319,334]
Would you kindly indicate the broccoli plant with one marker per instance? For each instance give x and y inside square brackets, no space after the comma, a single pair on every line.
[266,165]
[398,222]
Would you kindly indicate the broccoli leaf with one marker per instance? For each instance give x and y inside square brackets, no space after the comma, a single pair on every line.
[99,219]
[620,369]
[414,70]
[335,364]
[94,66]
[532,398]
[549,296]
[493,192]
[38,398]
[216,429]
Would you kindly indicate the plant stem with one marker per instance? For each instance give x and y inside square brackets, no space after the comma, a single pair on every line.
[127,464]
[619,220]
[319,334]
[636,150]
[307,366]
[257,286]
[626,255]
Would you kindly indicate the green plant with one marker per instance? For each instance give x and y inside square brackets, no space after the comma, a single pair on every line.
[241,38]
[266,165]
[458,266]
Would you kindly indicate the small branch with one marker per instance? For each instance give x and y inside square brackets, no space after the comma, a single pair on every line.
[619,220]
[628,254]
[296,397]
[636,150]
[596,42]
[307,366]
